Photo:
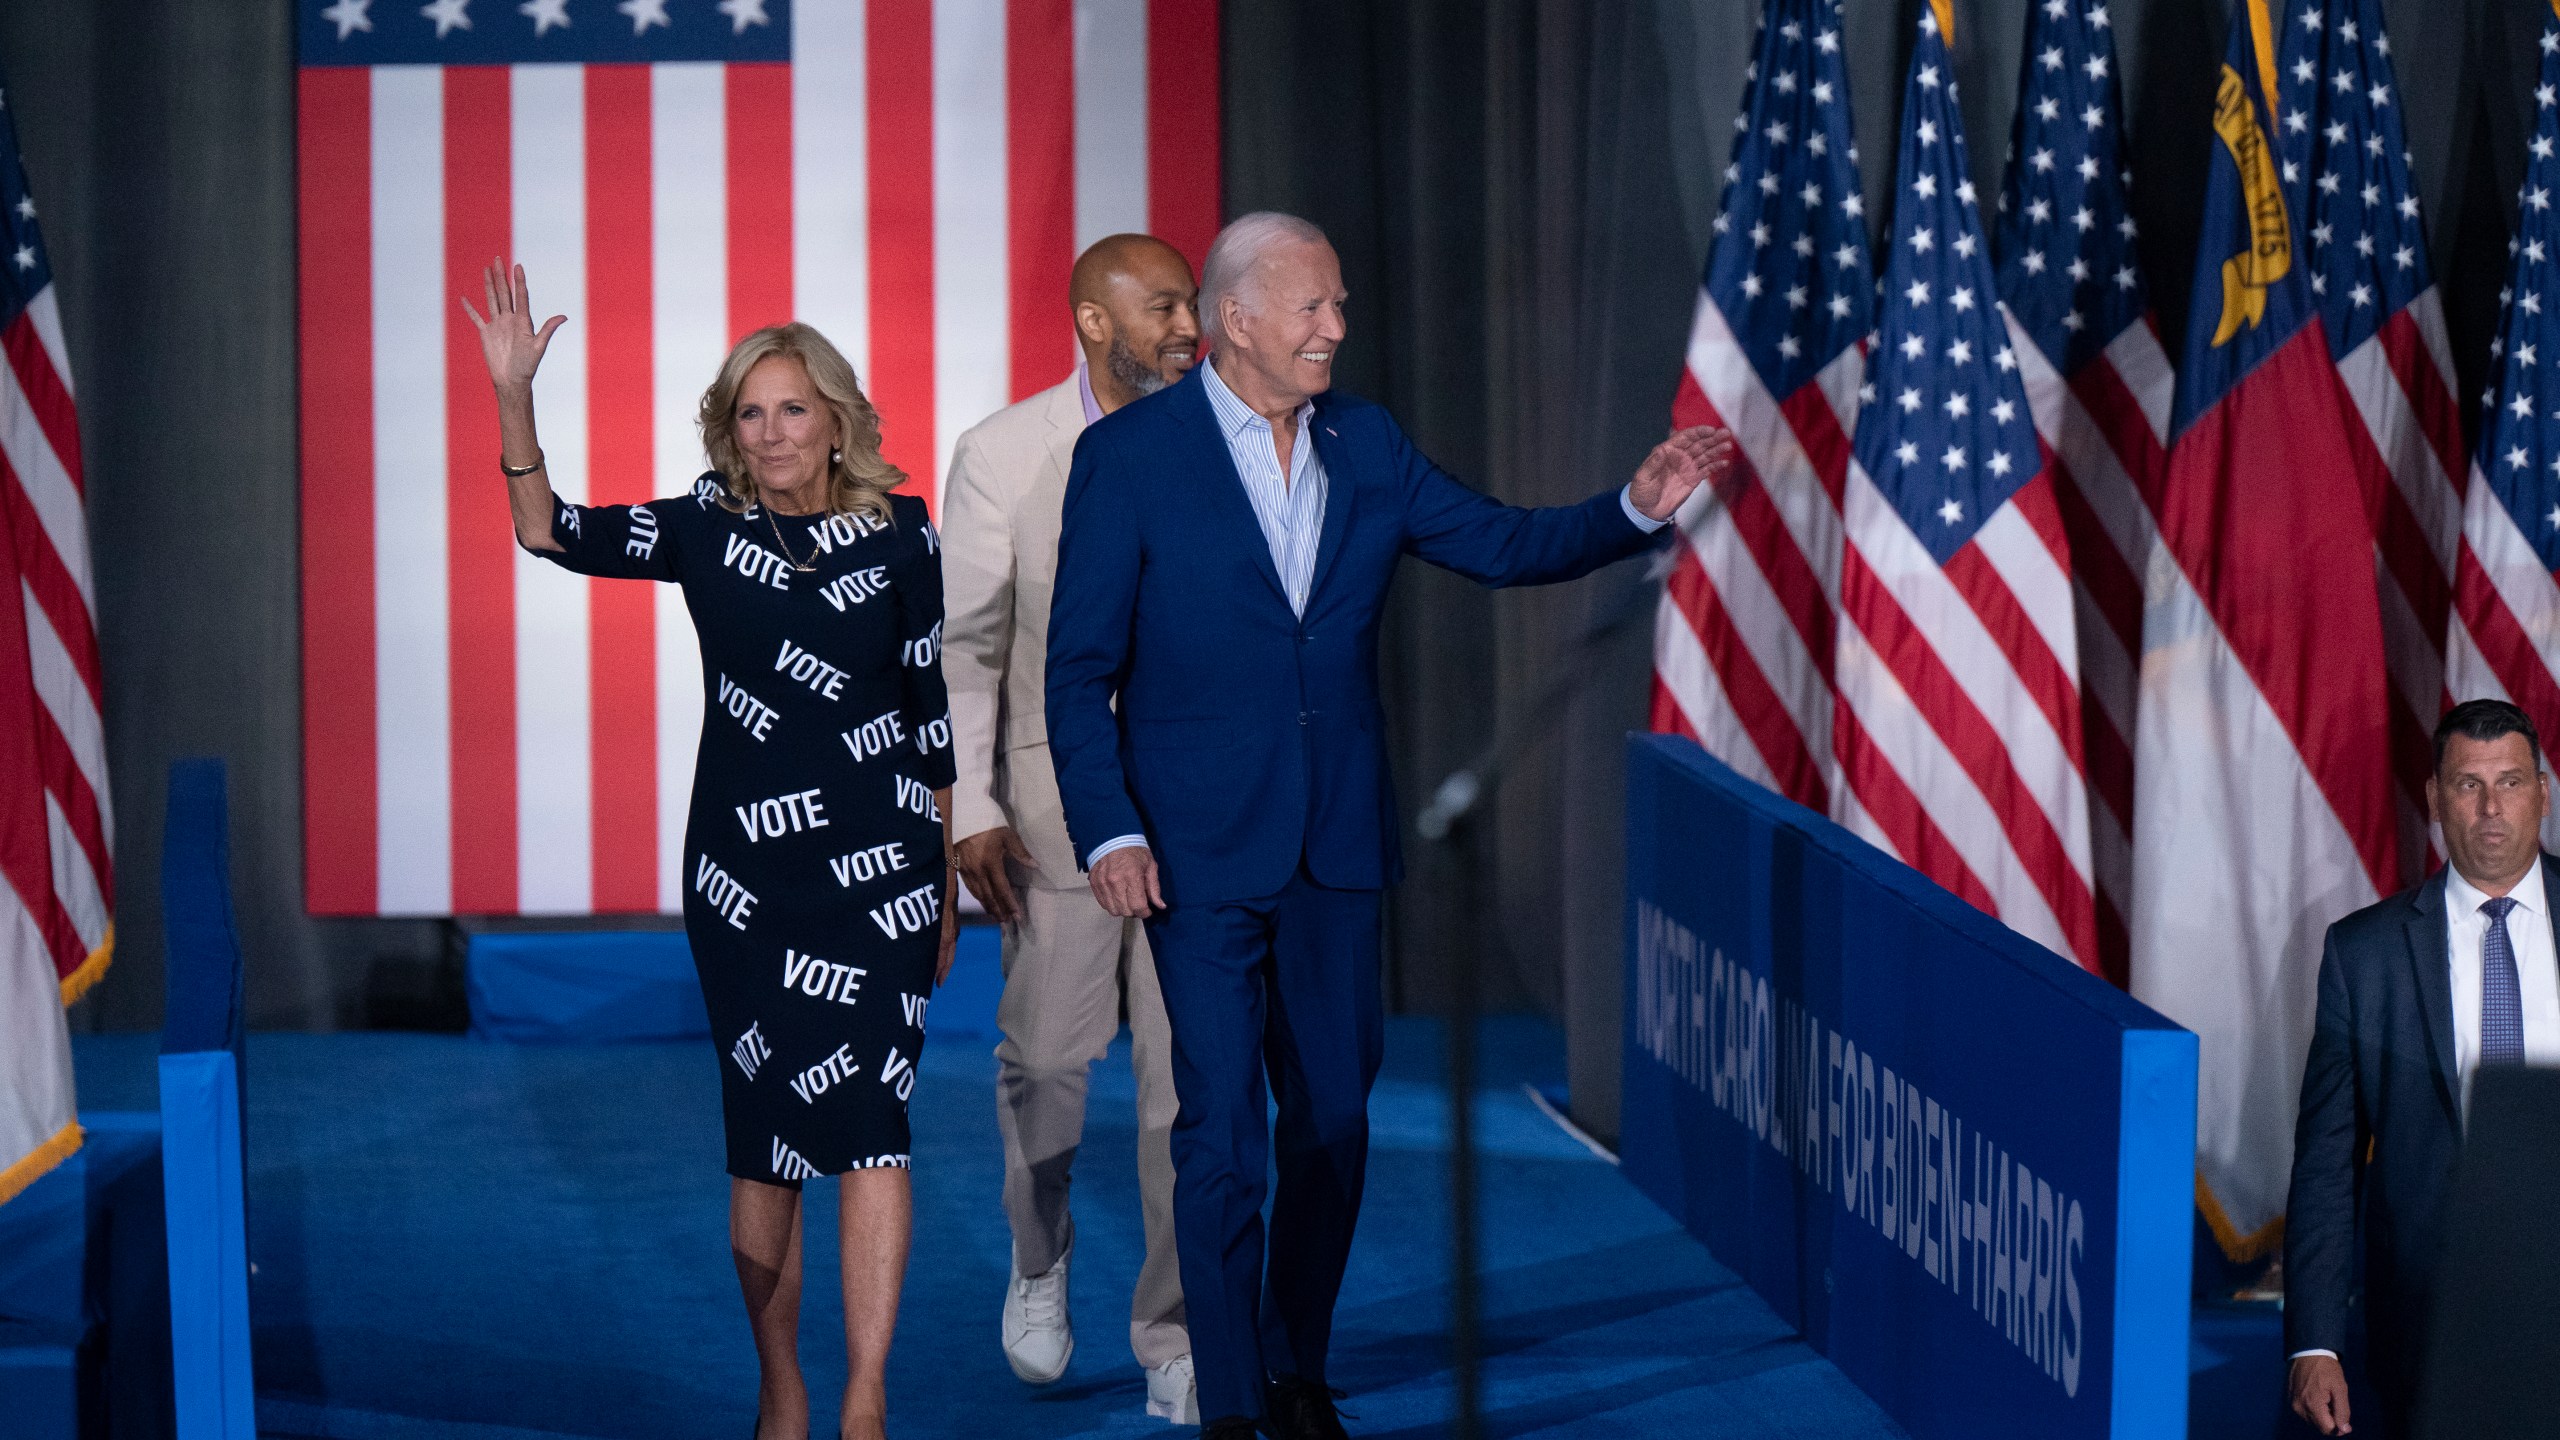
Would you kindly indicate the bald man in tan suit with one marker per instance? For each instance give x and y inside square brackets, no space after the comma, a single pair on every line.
[1070,967]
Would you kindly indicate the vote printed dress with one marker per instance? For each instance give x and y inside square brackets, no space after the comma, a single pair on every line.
[813,861]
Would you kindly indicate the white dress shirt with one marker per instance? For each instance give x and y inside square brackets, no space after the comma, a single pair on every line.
[2537,970]
[1290,508]
[2537,977]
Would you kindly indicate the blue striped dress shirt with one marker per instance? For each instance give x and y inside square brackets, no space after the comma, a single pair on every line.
[1290,509]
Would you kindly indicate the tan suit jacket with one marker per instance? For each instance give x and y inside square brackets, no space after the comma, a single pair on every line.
[1001,503]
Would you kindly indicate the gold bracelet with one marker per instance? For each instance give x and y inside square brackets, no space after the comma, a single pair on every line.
[512,472]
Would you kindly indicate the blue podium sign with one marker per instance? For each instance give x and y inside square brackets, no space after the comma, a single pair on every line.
[1960,1165]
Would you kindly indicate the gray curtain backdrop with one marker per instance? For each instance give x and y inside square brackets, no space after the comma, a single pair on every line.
[158,137]
[1521,190]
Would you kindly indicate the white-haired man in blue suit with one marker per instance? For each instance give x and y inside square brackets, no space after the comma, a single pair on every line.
[1223,564]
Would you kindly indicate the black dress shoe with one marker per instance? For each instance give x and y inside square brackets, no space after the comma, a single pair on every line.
[1233,1427]
[1303,1409]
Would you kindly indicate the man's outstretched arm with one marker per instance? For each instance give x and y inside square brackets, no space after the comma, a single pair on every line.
[1459,529]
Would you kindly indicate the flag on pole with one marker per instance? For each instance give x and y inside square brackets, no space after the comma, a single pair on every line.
[488,734]
[2100,386]
[1743,639]
[1958,724]
[57,879]
[2346,172]
[2505,643]
[2265,805]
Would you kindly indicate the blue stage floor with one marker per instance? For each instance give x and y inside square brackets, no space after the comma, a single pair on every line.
[464,1239]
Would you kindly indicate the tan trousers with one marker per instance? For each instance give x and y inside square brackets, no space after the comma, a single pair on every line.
[1067,964]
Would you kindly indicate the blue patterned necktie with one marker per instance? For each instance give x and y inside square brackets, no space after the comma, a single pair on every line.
[2501,1001]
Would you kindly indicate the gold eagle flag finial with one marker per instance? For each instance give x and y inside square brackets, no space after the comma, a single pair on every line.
[2246,276]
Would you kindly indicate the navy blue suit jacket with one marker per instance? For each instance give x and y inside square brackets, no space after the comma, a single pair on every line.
[1244,736]
[2381,1120]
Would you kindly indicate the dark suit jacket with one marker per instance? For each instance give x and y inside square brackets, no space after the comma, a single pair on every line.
[2380,1074]
[1245,736]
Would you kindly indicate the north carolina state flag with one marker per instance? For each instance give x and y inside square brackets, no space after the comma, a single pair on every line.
[2264,804]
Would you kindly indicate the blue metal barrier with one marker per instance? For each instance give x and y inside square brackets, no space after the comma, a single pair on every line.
[1960,1165]
[202,1049]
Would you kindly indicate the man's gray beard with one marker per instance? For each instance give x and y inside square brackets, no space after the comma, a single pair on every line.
[1129,370]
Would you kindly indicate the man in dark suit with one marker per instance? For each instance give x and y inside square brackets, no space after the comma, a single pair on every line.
[2416,993]
[1223,561]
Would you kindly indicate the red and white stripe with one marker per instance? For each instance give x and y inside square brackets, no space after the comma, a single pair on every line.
[485,734]
[1953,739]
[1744,640]
[57,856]
[2504,642]
[1958,715]
[2105,429]
[2400,381]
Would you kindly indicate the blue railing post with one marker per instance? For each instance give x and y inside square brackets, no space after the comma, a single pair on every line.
[202,1048]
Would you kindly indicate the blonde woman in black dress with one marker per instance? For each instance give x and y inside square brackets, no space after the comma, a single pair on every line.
[818,899]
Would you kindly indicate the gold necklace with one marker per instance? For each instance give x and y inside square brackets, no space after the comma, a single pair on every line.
[786,548]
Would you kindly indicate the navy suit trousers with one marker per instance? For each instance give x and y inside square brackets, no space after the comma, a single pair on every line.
[1282,988]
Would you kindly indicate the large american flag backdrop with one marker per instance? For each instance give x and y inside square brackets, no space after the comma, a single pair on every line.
[485,733]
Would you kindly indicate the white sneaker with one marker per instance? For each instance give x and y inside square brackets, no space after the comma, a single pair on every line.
[1171,1392]
[1038,1340]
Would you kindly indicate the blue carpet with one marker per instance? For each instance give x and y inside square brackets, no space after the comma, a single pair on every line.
[461,1239]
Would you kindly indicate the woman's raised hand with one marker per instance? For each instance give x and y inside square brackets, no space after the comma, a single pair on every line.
[508,340]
